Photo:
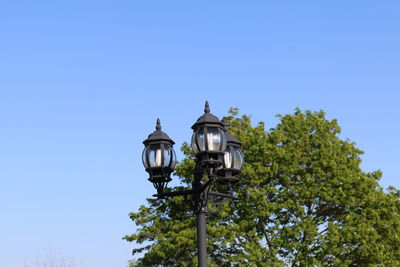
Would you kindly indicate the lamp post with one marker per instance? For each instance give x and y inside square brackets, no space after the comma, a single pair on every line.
[218,158]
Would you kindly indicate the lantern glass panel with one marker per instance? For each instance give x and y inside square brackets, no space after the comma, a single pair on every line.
[167,155]
[194,145]
[238,158]
[144,158]
[173,159]
[215,137]
[155,157]
[200,139]
[228,159]
[223,140]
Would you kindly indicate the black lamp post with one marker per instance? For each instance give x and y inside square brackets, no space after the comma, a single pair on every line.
[218,157]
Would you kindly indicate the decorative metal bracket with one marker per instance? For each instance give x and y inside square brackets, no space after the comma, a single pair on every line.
[201,192]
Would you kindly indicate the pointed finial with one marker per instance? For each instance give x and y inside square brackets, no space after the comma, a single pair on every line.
[158,126]
[207,108]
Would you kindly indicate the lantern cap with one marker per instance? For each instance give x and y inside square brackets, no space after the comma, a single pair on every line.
[230,139]
[207,118]
[158,135]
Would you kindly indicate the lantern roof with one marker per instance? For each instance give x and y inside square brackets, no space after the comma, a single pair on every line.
[207,118]
[230,139]
[158,135]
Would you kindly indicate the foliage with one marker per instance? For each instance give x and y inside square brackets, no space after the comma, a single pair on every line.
[132,263]
[305,202]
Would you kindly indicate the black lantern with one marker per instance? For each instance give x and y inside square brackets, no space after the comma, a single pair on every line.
[209,140]
[159,158]
[233,158]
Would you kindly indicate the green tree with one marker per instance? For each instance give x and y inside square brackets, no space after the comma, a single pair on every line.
[305,202]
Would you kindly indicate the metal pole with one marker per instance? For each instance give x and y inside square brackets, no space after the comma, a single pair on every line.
[200,194]
[201,239]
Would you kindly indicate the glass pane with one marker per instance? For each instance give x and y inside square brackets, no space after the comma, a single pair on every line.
[144,158]
[213,139]
[200,139]
[194,145]
[237,159]
[152,156]
[158,157]
[173,161]
[223,140]
[155,156]
[167,155]
[228,159]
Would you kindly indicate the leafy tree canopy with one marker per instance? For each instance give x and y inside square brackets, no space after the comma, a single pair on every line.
[305,202]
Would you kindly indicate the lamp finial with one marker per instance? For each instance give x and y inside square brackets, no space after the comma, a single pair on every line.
[206,108]
[158,126]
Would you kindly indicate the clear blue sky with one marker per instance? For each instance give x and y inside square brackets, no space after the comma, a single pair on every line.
[82,83]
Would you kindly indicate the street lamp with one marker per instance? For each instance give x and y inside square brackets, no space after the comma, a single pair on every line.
[159,158]
[233,159]
[218,158]
[208,139]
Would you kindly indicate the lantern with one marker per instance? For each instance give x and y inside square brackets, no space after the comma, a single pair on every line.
[209,140]
[233,158]
[159,158]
